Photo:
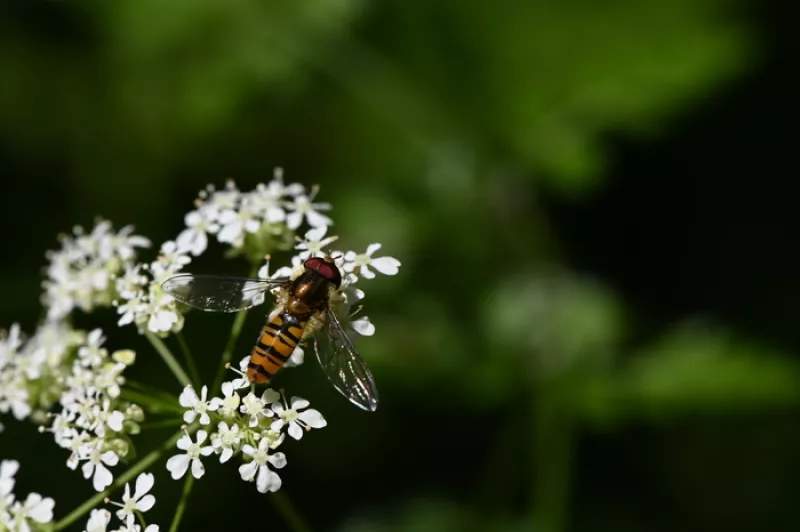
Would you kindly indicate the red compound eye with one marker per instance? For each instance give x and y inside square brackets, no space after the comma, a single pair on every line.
[313,263]
[326,269]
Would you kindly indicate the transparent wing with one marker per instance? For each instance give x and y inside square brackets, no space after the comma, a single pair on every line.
[217,293]
[344,367]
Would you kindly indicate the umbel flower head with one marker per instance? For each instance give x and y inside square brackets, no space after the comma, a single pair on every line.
[73,382]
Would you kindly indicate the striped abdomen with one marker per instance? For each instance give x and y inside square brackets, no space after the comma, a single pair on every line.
[278,339]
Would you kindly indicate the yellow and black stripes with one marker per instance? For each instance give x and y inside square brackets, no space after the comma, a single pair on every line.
[277,341]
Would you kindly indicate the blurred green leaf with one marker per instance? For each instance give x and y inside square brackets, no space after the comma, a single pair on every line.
[557,76]
[695,369]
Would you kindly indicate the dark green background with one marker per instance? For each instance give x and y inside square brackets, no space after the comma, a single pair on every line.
[594,327]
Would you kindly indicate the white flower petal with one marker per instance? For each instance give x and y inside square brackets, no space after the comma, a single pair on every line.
[295,431]
[110,458]
[201,436]
[197,469]
[298,403]
[277,460]
[363,326]
[184,442]
[177,465]
[188,397]
[145,503]
[263,480]
[248,470]
[316,219]
[144,483]
[386,265]
[372,248]
[312,418]
[270,396]
[102,477]
[115,421]
[226,454]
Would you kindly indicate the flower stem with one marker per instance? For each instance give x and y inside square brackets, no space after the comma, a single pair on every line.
[187,489]
[554,441]
[137,468]
[161,423]
[153,404]
[289,513]
[169,359]
[236,330]
[187,354]
[150,391]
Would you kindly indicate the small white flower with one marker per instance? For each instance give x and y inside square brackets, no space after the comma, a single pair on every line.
[96,466]
[267,201]
[178,464]
[256,407]
[234,225]
[172,258]
[92,354]
[228,404]
[362,262]
[35,508]
[199,224]
[163,317]
[197,405]
[315,242]
[140,501]
[225,439]
[296,417]
[257,468]
[98,521]
[303,206]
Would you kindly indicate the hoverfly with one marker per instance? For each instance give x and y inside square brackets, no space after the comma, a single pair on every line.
[303,312]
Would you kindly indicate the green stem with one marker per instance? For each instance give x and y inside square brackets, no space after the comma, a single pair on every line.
[169,359]
[150,391]
[289,513]
[554,439]
[137,468]
[187,489]
[153,404]
[236,330]
[161,423]
[140,517]
[187,354]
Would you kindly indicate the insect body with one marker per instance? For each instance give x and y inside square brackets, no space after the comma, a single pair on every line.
[303,313]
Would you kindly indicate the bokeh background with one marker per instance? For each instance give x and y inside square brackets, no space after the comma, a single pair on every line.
[595,323]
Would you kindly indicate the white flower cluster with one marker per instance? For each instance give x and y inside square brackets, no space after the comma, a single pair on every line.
[141,501]
[79,274]
[141,300]
[21,515]
[252,223]
[94,423]
[264,216]
[32,370]
[252,426]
